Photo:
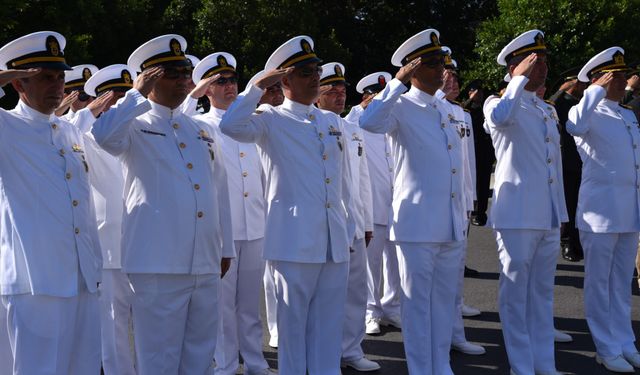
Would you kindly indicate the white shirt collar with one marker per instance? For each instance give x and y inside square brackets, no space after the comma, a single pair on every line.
[296,107]
[609,103]
[420,95]
[162,111]
[24,110]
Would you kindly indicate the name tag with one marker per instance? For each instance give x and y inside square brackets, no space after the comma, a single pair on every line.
[145,131]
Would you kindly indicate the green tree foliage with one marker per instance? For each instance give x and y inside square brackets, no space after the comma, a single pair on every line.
[574,31]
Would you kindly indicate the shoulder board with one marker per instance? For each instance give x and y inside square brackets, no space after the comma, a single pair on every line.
[550,102]
[454,102]
[466,110]
[626,106]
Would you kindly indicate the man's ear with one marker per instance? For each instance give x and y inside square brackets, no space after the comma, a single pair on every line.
[285,82]
[18,85]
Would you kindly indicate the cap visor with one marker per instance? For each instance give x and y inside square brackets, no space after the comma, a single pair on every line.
[47,65]
[307,61]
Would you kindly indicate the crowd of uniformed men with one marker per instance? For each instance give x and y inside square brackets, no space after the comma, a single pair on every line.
[122,202]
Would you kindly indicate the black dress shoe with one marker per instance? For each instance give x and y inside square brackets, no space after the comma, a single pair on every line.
[479,219]
[571,254]
[470,272]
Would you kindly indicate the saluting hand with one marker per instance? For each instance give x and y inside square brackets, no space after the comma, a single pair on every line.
[147,80]
[66,103]
[100,104]
[367,100]
[201,88]
[272,77]
[526,66]
[9,75]
[605,80]
[406,72]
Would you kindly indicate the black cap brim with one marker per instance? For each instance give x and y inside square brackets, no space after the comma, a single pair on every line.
[47,65]
[307,61]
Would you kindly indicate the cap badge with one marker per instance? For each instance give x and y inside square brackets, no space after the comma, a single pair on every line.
[86,73]
[53,46]
[539,39]
[618,58]
[175,47]
[338,70]
[126,76]
[222,61]
[305,46]
[434,39]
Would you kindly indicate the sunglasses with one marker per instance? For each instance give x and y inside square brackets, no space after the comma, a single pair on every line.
[433,62]
[224,80]
[173,73]
[308,71]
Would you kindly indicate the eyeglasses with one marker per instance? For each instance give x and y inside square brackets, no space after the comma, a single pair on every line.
[173,73]
[224,80]
[308,71]
[433,62]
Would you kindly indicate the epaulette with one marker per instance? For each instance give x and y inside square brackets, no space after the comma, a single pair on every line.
[550,102]
[466,110]
[626,106]
[454,102]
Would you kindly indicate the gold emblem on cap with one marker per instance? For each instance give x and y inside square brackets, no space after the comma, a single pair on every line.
[618,58]
[86,73]
[126,76]
[448,60]
[539,39]
[338,70]
[53,46]
[175,46]
[434,39]
[306,46]
[222,61]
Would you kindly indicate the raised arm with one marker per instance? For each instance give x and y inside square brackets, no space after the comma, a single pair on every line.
[580,114]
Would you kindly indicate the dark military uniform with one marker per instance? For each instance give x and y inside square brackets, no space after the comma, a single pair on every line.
[485,158]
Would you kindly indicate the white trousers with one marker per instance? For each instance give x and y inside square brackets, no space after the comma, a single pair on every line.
[383,280]
[356,305]
[428,274]
[175,318]
[115,318]
[457,335]
[525,298]
[6,358]
[270,301]
[311,298]
[240,325]
[54,335]
[609,262]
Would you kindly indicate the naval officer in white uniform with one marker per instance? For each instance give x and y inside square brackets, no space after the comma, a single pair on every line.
[50,254]
[240,330]
[383,280]
[333,95]
[528,205]
[428,222]
[177,240]
[309,229]
[608,214]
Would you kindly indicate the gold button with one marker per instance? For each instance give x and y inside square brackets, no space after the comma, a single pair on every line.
[311,117]
[327,180]
[547,139]
[453,171]
[328,205]
[324,157]
[242,154]
[182,145]
[77,230]
[246,195]
[62,151]
[551,180]
[68,175]
[189,166]
[54,126]
[200,214]
[545,118]
[628,127]
[321,134]
[176,126]
[442,125]
[453,195]
[449,147]
[245,174]
[549,161]
[196,186]
[74,203]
